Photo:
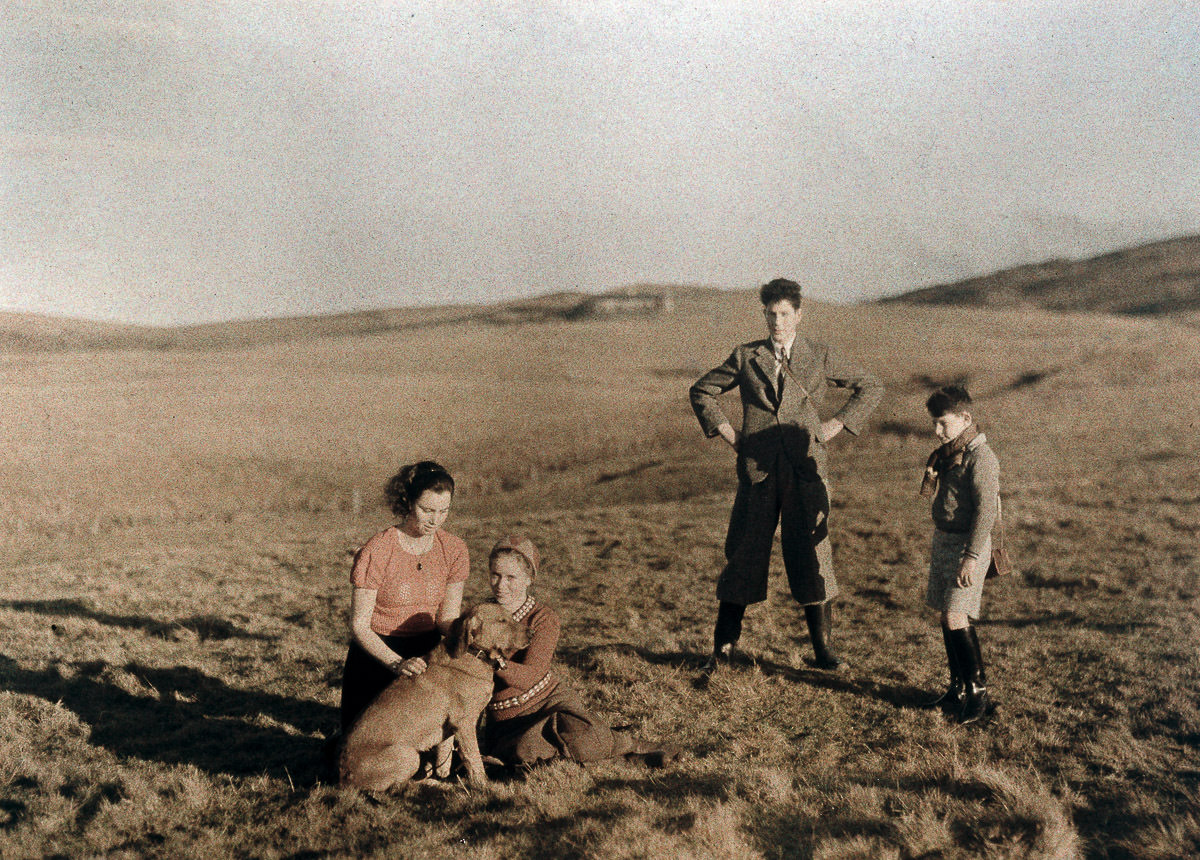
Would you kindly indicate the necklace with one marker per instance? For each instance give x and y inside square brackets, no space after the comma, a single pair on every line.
[414,546]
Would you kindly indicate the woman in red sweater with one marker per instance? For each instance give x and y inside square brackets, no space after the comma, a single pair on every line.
[407,588]
[534,717]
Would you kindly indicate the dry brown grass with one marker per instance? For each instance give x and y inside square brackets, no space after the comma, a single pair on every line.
[176,527]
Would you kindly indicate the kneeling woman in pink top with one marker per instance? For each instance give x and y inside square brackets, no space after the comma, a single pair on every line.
[408,587]
[533,717]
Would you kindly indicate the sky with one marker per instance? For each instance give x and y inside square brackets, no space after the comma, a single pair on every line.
[179,162]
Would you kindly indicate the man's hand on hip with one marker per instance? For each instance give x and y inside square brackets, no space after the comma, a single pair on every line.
[731,436]
[831,428]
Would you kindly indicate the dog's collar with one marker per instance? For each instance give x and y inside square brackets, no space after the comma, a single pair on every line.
[480,654]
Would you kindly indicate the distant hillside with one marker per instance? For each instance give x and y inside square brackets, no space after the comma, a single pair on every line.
[38,333]
[23,332]
[20,332]
[1158,278]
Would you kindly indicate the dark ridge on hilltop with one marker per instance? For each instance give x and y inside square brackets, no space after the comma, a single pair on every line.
[1156,278]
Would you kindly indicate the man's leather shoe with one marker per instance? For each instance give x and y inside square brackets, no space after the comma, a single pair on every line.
[721,656]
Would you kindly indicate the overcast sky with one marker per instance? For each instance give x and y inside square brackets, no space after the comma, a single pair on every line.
[180,162]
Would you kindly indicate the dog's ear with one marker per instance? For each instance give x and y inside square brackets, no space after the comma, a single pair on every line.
[456,639]
[471,636]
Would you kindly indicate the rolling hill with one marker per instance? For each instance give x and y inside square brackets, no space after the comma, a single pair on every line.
[1156,278]
[27,332]
[1159,278]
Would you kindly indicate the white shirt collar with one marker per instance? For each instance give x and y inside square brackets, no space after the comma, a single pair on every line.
[775,347]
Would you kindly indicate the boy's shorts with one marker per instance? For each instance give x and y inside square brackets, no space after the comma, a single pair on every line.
[945,556]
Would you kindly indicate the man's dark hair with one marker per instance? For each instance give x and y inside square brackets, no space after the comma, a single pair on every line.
[780,289]
[948,399]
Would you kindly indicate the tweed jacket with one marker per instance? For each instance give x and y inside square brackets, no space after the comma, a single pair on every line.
[968,496]
[789,424]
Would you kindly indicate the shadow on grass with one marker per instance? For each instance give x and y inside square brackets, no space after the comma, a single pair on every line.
[561,836]
[780,833]
[194,718]
[898,695]
[204,626]
[668,787]
[1067,619]
[487,818]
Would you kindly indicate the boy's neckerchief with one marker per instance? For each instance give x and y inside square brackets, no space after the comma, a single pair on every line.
[945,457]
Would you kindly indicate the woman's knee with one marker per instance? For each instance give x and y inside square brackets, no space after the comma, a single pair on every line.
[955,620]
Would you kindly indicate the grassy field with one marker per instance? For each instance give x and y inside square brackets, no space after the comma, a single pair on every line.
[177,527]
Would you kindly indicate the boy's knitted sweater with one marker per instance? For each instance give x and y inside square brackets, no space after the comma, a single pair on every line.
[968,496]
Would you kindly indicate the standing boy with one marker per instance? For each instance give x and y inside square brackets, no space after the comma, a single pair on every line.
[781,466]
[963,476]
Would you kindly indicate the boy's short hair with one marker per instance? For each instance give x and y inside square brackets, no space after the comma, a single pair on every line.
[780,289]
[948,399]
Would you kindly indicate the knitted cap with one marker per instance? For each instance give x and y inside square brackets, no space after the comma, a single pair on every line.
[518,544]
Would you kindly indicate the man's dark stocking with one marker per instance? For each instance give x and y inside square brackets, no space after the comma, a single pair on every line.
[820,621]
[726,633]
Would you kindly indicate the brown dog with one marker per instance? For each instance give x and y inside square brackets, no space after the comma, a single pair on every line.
[416,714]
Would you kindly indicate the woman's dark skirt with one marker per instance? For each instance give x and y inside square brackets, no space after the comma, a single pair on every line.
[561,727]
[364,677]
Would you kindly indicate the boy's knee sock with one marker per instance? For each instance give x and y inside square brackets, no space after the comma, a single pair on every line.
[977,704]
[970,660]
[956,675]
[976,655]
[728,628]
[953,694]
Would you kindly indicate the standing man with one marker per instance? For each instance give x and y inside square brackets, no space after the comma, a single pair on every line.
[781,466]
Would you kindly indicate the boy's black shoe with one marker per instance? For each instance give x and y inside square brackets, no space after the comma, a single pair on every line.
[722,655]
[976,706]
[828,662]
[951,699]
[330,749]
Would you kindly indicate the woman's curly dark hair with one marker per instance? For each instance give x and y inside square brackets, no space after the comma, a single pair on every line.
[406,486]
